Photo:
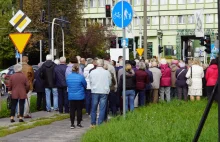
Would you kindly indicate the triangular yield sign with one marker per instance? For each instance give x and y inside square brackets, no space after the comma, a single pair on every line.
[140,51]
[20,40]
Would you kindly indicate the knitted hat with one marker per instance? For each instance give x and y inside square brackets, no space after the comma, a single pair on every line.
[163,61]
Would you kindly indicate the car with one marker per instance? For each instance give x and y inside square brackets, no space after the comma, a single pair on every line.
[4,72]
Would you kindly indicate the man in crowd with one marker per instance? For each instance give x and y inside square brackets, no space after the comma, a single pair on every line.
[60,71]
[82,65]
[28,71]
[48,75]
[100,81]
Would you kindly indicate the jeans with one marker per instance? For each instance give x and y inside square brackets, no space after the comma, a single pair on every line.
[55,98]
[88,99]
[141,97]
[113,102]
[63,99]
[76,105]
[166,91]
[130,95]
[100,99]
[182,91]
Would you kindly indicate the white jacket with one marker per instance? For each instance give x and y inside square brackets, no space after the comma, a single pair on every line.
[197,75]
[86,74]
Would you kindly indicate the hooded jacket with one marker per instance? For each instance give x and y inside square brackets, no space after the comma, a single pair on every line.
[47,74]
[60,71]
[165,80]
[211,75]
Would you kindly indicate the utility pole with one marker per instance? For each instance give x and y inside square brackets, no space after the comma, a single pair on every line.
[145,29]
[21,8]
[49,24]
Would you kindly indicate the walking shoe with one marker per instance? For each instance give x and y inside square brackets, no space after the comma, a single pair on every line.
[79,125]
[12,120]
[21,120]
[27,116]
[72,126]
[92,126]
[56,109]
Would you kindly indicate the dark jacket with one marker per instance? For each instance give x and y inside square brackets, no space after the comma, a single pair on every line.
[151,80]
[130,82]
[141,79]
[181,79]
[60,71]
[48,75]
[38,82]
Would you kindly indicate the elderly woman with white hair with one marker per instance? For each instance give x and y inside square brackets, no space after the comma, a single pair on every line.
[18,88]
[181,81]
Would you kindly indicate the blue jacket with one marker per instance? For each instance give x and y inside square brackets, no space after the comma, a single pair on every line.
[76,84]
[150,74]
[60,71]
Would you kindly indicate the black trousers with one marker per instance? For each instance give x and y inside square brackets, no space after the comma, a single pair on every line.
[209,92]
[76,105]
[14,103]
[41,97]
[63,99]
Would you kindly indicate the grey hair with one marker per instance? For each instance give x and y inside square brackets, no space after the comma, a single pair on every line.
[18,68]
[57,61]
[89,61]
[142,66]
[49,57]
[62,59]
[100,62]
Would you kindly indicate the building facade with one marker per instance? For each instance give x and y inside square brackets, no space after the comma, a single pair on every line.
[173,18]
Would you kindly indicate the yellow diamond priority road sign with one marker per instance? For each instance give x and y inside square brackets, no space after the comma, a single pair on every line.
[20,21]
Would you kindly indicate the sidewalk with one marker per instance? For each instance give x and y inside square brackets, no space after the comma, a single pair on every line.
[58,131]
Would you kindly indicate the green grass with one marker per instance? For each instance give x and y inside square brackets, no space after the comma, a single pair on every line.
[5,112]
[176,121]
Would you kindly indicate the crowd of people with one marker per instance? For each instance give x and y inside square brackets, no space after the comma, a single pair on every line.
[97,85]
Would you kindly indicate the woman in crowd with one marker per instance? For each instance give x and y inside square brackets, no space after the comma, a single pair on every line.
[142,80]
[181,81]
[195,90]
[211,76]
[174,68]
[18,88]
[149,97]
[76,84]
[130,87]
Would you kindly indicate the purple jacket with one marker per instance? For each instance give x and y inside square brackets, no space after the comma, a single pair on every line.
[165,80]
[181,78]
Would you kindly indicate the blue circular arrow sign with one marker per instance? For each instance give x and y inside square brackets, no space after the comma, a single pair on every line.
[122,17]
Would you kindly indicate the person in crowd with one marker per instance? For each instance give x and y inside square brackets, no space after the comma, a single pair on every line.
[142,79]
[119,70]
[120,58]
[60,79]
[28,71]
[57,61]
[174,68]
[72,61]
[113,62]
[181,81]
[82,65]
[78,59]
[94,63]
[48,75]
[18,88]
[130,87]
[195,90]
[39,88]
[149,97]
[133,64]
[204,82]
[156,81]
[165,81]
[211,77]
[100,82]
[76,84]
[88,97]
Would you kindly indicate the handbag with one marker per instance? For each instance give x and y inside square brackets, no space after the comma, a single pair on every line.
[189,80]
[9,101]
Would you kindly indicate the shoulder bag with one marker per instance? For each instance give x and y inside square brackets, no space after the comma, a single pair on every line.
[189,80]
[180,73]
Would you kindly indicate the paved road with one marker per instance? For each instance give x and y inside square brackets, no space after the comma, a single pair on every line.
[56,132]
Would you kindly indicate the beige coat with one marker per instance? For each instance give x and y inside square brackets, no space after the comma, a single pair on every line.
[174,68]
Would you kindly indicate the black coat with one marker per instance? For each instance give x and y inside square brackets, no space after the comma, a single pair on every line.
[48,74]
[38,82]
[130,82]
[181,79]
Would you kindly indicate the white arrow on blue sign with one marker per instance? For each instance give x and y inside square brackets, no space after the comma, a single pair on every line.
[122,17]
[17,55]
[124,42]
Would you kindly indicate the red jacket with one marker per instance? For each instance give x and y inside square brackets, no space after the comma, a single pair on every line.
[165,80]
[211,75]
[141,79]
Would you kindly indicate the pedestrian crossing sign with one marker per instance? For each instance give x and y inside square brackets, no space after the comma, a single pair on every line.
[20,21]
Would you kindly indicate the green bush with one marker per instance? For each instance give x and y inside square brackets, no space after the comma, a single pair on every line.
[6,113]
[176,121]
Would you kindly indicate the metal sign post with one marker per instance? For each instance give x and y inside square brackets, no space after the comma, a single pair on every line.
[40,51]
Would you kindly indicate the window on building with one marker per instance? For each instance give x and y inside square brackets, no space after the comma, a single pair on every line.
[173,1]
[169,50]
[86,3]
[154,2]
[172,19]
[109,2]
[209,18]
[181,2]
[216,18]
[163,20]
[199,1]
[181,19]
[155,20]
[136,21]
[191,19]
[93,3]
[208,1]
[137,2]
[163,2]
[101,3]
[191,1]
[148,20]
[104,22]
[148,2]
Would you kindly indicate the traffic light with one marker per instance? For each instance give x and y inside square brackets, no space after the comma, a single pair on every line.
[107,11]
[160,49]
[206,41]
[113,43]
[42,17]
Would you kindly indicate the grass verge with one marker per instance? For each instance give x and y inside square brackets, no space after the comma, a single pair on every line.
[163,122]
